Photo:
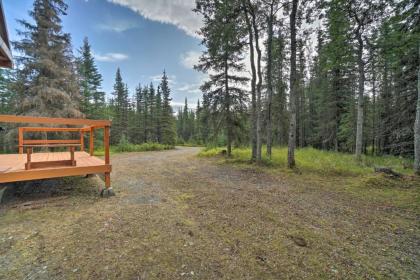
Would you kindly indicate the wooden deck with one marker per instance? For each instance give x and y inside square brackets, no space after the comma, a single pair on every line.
[12,166]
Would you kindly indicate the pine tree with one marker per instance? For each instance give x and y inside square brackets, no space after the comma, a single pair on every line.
[120,110]
[6,94]
[223,56]
[279,110]
[168,121]
[151,128]
[92,99]
[46,69]
[186,128]
[158,115]
[139,136]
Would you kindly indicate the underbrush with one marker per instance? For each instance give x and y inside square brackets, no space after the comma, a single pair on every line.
[323,162]
[127,147]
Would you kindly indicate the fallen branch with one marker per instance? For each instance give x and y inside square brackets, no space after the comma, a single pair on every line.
[388,171]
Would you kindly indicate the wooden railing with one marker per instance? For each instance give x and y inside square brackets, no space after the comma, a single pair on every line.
[85,126]
[89,126]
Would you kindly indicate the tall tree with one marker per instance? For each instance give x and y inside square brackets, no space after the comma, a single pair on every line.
[222,37]
[293,86]
[246,8]
[362,13]
[47,73]
[417,128]
[92,98]
[270,33]
[120,106]
[168,120]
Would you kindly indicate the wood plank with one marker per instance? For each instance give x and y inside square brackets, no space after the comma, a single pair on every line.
[36,174]
[55,163]
[29,119]
[50,145]
[46,142]
[51,129]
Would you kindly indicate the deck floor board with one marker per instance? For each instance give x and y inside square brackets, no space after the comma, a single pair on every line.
[12,166]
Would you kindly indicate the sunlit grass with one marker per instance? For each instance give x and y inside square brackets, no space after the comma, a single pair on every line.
[324,162]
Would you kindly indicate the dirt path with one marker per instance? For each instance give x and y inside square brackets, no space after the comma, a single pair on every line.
[177,216]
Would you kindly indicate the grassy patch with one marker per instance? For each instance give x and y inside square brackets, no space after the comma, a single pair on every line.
[125,148]
[338,172]
[322,162]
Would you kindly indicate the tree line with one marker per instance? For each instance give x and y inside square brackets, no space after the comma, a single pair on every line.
[336,75]
[50,81]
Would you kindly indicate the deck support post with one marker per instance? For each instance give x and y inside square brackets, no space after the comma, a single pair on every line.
[108,191]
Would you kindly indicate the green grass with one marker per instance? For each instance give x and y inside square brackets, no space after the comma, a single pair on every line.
[126,148]
[322,162]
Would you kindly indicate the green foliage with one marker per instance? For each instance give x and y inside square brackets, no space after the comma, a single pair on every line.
[126,147]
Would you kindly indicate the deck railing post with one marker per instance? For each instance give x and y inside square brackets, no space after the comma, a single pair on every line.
[28,158]
[20,140]
[82,141]
[106,144]
[91,147]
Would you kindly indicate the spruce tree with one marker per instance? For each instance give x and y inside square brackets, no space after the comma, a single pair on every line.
[158,115]
[168,120]
[120,109]
[222,37]
[139,126]
[46,69]
[6,94]
[92,98]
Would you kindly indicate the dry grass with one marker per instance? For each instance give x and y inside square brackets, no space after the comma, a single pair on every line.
[177,216]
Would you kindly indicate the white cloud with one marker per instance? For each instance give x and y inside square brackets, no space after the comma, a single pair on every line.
[190,88]
[110,57]
[176,12]
[179,105]
[158,78]
[117,25]
[189,59]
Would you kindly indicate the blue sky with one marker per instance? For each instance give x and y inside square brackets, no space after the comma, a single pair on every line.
[142,37]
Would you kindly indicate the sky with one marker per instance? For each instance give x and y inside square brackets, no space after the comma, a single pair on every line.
[142,37]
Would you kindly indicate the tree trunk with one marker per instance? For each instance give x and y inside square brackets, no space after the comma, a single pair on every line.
[301,97]
[259,84]
[228,115]
[253,86]
[417,129]
[360,98]
[269,79]
[373,110]
[293,87]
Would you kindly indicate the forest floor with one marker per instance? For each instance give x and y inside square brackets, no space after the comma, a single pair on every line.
[180,216]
